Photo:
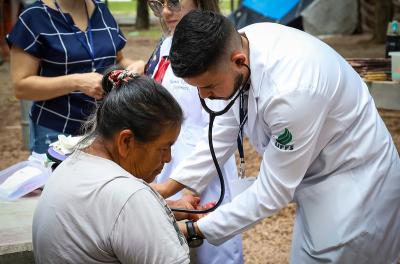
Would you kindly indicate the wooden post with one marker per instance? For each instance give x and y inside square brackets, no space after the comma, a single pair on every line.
[383,14]
[142,15]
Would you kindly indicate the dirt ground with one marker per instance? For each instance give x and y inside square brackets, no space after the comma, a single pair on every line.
[267,242]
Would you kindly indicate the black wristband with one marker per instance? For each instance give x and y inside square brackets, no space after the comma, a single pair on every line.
[190,229]
[193,239]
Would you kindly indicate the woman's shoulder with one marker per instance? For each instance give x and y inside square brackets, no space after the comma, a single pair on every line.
[104,15]
[102,7]
[128,186]
[35,10]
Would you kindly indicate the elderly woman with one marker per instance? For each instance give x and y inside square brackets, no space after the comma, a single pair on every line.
[97,207]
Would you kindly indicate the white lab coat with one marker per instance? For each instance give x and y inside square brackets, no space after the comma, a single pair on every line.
[340,165]
[196,121]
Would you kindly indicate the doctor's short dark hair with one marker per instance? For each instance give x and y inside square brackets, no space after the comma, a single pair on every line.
[138,103]
[200,40]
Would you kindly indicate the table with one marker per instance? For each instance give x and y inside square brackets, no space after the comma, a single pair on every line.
[16,230]
[386,94]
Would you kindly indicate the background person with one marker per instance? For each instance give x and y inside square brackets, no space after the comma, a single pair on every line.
[196,121]
[311,117]
[59,49]
[97,206]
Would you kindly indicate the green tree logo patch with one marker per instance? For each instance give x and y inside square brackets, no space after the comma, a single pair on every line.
[284,139]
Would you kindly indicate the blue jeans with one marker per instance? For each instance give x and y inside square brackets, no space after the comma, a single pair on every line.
[40,137]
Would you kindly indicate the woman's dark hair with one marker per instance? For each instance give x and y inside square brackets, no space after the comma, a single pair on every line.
[139,104]
[209,5]
[200,39]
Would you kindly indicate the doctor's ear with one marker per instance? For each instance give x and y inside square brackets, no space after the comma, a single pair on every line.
[238,58]
[239,62]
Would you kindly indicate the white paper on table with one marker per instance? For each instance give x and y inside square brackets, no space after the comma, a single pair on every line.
[19,177]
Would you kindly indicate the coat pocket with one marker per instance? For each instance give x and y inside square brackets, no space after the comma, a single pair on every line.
[334,214]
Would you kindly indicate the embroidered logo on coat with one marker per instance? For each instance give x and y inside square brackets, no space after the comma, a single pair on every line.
[283,140]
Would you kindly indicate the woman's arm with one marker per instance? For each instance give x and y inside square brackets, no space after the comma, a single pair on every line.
[145,233]
[28,85]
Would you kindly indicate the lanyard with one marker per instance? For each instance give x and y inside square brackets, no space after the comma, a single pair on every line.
[89,48]
[243,119]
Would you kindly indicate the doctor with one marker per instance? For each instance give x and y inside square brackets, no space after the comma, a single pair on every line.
[311,117]
[196,121]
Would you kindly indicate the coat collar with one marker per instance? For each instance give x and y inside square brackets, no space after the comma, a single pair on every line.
[257,67]
[257,62]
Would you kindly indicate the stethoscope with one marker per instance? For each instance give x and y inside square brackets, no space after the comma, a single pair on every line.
[239,93]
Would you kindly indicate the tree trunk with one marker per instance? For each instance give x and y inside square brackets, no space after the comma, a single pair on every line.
[383,14]
[142,15]
[2,32]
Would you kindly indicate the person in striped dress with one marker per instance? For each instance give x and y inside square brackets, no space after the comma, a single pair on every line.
[59,50]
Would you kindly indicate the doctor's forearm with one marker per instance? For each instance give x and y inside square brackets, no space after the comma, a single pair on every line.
[168,188]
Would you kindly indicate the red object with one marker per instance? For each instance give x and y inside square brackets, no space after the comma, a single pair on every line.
[210,204]
[118,76]
[162,68]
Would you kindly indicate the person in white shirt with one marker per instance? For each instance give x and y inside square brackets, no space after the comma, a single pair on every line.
[313,120]
[196,121]
[97,207]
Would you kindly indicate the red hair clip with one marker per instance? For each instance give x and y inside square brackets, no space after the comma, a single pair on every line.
[119,76]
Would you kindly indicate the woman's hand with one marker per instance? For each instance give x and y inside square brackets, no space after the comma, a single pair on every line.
[137,67]
[90,84]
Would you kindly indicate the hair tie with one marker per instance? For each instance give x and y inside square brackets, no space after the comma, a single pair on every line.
[119,76]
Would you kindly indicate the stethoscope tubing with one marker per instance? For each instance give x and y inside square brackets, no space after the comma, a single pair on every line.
[212,115]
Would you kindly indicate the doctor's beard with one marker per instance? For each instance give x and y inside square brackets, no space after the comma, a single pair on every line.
[236,86]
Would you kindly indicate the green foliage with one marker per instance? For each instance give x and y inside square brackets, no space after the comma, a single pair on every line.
[154,33]
[130,6]
[122,7]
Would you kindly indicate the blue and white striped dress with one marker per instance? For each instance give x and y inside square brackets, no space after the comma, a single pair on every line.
[43,33]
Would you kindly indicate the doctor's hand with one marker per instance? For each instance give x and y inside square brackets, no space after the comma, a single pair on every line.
[204,207]
[187,201]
